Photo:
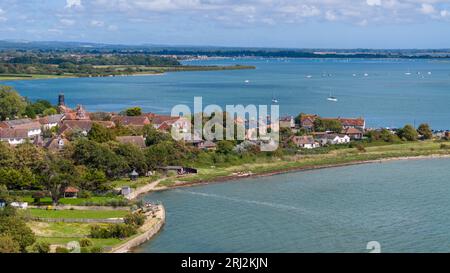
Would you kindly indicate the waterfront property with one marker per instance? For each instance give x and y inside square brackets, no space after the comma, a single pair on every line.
[305,142]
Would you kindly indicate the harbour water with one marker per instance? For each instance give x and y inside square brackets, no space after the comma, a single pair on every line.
[388,93]
[403,205]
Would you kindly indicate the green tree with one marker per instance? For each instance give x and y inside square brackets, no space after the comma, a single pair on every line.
[41,247]
[164,154]
[425,130]
[225,146]
[408,133]
[133,156]
[134,111]
[322,125]
[94,180]
[50,111]
[8,245]
[16,228]
[58,174]
[98,156]
[11,103]
[153,136]
[100,134]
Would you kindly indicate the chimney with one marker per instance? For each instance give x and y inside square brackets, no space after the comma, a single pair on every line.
[61,100]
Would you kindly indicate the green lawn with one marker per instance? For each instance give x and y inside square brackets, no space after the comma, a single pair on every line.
[93,201]
[11,77]
[76,214]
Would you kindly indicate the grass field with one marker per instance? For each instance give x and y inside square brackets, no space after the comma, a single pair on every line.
[76,214]
[126,182]
[93,201]
[334,157]
[12,77]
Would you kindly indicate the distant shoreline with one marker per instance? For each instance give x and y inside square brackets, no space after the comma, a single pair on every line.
[231,178]
[157,72]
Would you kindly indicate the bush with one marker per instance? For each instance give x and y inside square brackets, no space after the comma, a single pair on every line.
[96,249]
[41,247]
[85,242]
[361,148]
[61,250]
[119,231]
[136,219]
[444,146]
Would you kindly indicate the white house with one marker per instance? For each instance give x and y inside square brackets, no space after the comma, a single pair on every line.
[13,136]
[52,121]
[333,139]
[33,127]
[305,142]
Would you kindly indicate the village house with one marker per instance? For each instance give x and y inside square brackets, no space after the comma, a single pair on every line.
[166,123]
[353,133]
[78,114]
[307,122]
[355,123]
[13,136]
[84,126]
[333,139]
[139,141]
[33,127]
[305,142]
[50,122]
[287,122]
[205,145]
[56,144]
[135,121]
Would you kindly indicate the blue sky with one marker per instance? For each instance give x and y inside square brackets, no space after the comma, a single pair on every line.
[260,23]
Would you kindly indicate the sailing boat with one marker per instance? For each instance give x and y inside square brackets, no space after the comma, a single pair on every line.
[331,98]
[274,100]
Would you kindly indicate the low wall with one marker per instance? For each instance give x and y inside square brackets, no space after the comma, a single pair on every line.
[144,237]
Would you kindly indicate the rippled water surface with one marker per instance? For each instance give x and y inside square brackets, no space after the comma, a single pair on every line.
[403,205]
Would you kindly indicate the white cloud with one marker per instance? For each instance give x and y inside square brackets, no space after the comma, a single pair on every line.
[427,9]
[330,16]
[97,23]
[73,4]
[445,13]
[373,2]
[67,22]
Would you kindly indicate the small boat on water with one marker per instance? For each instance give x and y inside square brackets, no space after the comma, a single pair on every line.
[366,75]
[247,81]
[408,73]
[332,98]
[308,76]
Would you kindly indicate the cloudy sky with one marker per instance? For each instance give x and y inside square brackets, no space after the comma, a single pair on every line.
[264,23]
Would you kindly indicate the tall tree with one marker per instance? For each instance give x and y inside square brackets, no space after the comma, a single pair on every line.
[12,105]
[425,130]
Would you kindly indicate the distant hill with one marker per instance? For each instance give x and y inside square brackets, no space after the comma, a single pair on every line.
[214,51]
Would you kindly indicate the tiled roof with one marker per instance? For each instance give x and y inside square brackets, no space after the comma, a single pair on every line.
[136,140]
[13,133]
[302,140]
[51,119]
[352,131]
[133,121]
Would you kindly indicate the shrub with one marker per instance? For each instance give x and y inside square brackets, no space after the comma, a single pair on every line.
[136,219]
[61,250]
[119,231]
[41,247]
[361,148]
[85,242]
[444,146]
[96,249]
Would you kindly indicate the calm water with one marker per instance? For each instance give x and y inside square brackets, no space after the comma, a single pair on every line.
[386,97]
[403,205]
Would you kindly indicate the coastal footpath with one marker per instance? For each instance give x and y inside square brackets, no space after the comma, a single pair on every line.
[151,227]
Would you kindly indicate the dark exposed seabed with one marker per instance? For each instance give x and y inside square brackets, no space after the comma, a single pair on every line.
[404,205]
[386,97]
